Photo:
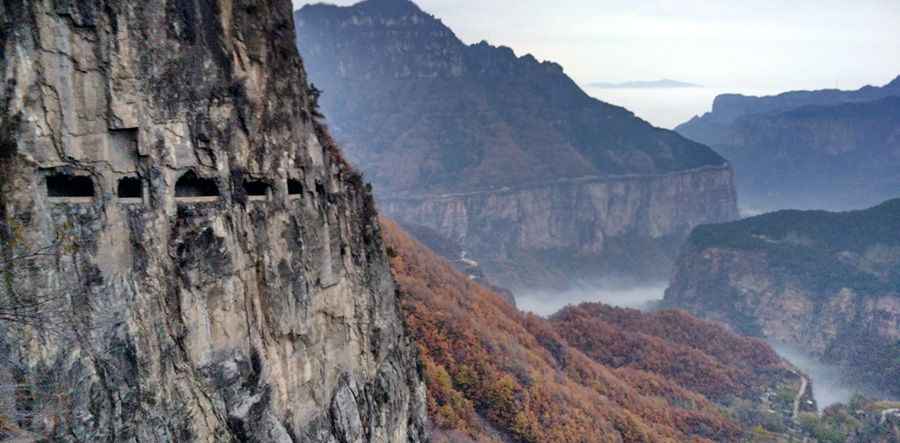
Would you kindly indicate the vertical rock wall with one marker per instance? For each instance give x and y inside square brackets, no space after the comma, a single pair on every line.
[553,234]
[206,298]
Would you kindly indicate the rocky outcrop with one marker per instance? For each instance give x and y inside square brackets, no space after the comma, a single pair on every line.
[211,269]
[425,115]
[825,282]
[808,149]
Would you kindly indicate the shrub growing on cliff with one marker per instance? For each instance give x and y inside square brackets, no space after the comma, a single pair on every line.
[314,94]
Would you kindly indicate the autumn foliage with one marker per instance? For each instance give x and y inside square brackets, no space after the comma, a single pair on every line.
[696,354]
[590,374]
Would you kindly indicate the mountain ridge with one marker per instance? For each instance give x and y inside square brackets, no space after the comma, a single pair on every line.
[728,107]
[481,66]
[826,149]
[472,140]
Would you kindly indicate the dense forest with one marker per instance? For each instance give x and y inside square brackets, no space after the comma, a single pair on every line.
[696,354]
[496,374]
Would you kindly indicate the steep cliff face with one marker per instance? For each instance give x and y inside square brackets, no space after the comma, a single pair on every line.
[808,149]
[213,270]
[439,125]
[554,234]
[827,282]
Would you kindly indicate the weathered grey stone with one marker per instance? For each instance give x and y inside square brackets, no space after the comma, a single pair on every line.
[202,319]
[556,233]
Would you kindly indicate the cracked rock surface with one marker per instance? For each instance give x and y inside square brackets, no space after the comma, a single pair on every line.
[215,315]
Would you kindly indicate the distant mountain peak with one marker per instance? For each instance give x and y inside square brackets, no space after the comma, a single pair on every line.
[549,124]
[389,7]
[370,8]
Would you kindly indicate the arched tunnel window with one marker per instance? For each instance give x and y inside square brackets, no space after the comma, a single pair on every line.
[295,188]
[130,188]
[192,186]
[70,186]
[256,190]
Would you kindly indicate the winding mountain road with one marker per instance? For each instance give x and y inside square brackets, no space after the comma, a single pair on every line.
[803,384]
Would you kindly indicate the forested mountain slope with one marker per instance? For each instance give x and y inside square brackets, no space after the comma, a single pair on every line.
[591,373]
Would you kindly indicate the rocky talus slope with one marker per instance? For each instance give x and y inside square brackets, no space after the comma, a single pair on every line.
[505,155]
[825,282]
[826,149]
[591,373]
[209,268]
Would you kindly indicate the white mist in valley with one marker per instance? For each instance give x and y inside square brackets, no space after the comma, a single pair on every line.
[829,385]
[545,303]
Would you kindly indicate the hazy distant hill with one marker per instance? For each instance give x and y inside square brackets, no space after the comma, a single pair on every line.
[808,149]
[502,154]
[653,84]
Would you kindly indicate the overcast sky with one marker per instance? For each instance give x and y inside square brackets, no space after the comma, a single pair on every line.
[724,44]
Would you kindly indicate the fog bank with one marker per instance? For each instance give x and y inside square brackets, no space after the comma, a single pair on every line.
[545,303]
[829,385]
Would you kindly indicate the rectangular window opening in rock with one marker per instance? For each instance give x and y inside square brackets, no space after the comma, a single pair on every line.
[295,188]
[130,190]
[191,188]
[257,190]
[70,188]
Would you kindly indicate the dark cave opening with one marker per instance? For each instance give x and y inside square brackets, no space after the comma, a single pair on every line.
[295,187]
[130,187]
[70,186]
[256,188]
[191,185]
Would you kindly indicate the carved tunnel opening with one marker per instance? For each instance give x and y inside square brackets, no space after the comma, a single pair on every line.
[295,188]
[131,188]
[191,187]
[74,188]
[256,190]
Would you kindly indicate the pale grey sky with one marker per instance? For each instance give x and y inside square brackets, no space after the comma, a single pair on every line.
[725,44]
